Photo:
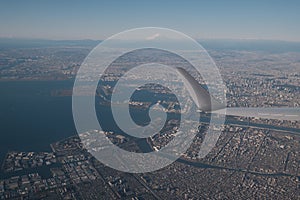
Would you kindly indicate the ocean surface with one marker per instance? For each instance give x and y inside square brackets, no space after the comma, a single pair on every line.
[31,118]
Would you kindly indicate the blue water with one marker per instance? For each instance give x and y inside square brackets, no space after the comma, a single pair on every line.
[31,118]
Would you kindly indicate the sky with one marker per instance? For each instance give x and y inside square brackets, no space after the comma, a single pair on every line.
[223,19]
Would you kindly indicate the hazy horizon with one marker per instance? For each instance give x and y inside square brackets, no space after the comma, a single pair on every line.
[267,20]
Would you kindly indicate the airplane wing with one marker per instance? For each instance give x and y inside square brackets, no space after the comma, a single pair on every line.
[206,103]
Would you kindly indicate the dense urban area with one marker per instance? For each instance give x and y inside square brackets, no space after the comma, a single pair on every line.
[255,158]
